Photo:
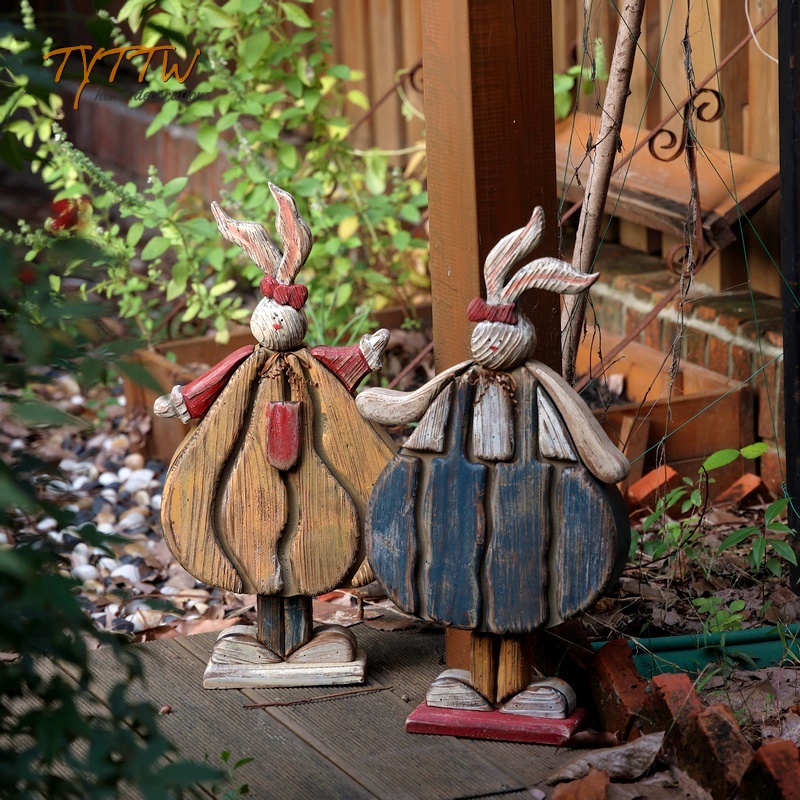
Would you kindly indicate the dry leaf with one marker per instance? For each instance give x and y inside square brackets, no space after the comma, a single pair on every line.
[627,762]
[592,787]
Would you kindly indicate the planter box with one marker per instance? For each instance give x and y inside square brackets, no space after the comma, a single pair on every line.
[755,648]
[706,412]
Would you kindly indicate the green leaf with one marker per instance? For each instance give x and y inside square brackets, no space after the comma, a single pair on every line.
[207,138]
[134,234]
[563,105]
[401,240]
[736,537]
[201,160]
[754,450]
[138,374]
[358,98]
[222,288]
[216,17]
[296,15]
[174,186]
[784,550]
[757,554]
[775,508]
[39,413]
[154,248]
[254,47]
[167,113]
[720,459]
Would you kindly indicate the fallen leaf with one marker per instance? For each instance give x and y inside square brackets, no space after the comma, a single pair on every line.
[627,762]
[592,738]
[593,786]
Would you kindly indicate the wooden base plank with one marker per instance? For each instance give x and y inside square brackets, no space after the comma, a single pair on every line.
[493,725]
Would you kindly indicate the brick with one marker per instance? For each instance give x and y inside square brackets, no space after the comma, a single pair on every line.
[748,489]
[767,394]
[656,483]
[717,355]
[695,344]
[741,363]
[773,773]
[618,690]
[772,468]
[652,334]
[671,702]
[714,751]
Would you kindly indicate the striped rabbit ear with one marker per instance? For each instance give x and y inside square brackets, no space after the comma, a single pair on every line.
[511,250]
[251,237]
[294,233]
[551,274]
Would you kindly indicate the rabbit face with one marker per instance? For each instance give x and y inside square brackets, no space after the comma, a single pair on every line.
[278,327]
[503,346]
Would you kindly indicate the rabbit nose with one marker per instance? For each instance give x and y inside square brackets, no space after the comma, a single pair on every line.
[277,326]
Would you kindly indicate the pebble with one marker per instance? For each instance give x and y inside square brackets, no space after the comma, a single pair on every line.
[123,473]
[85,572]
[79,482]
[110,495]
[134,461]
[142,498]
[107,478]
[46,525]
[108,564]
[127,571]
[155,502]
[106,528]
[132,518]
[17,444]
[138,479]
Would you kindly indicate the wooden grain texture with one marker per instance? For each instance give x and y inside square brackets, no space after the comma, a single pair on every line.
[385,54]
[283,623]
[347,363]
[453,513]
[392,537]
[483,664]
[514,575]
[189,497]
[326,536]
[207,723]
[590,544]
[595,449]
[386,761]
[554,439]
[200,393]
[655,193]
[392,407]
[493,423]
[252,507]
[514,667]
[429,435]
[354,450]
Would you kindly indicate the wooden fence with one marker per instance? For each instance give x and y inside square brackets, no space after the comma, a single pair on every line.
[382,38]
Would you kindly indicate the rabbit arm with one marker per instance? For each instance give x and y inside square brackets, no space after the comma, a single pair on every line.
[391,407]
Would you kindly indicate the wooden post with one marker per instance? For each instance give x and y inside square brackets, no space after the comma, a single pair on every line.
[491,159]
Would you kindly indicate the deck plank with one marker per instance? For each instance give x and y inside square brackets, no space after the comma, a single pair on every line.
[354,747]
[365,737]
[208,722]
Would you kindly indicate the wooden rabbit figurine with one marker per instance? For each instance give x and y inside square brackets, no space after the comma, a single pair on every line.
[499,514]
[268,494]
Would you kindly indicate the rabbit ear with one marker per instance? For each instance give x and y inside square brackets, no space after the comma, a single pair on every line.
[547,273]
[251,237]
[511,250]
[294,233]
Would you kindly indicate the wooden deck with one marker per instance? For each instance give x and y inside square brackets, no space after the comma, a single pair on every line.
[352,747]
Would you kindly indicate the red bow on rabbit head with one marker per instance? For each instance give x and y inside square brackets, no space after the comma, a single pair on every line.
[504,337]
[279,320]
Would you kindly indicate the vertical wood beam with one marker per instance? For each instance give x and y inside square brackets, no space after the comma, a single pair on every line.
[491,159]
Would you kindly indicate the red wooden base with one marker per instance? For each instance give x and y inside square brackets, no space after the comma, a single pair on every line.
[493,725]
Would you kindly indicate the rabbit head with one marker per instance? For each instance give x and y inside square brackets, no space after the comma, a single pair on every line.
[504,337]
[279,320]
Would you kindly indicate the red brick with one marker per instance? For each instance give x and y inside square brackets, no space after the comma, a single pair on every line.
[656,483]
[652,334]
[773,773]
[768,389]
[747,489]
[618,689]
[695,345]
[773,470]
[670,706]
[717,355]
[741,363]
[714,751]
